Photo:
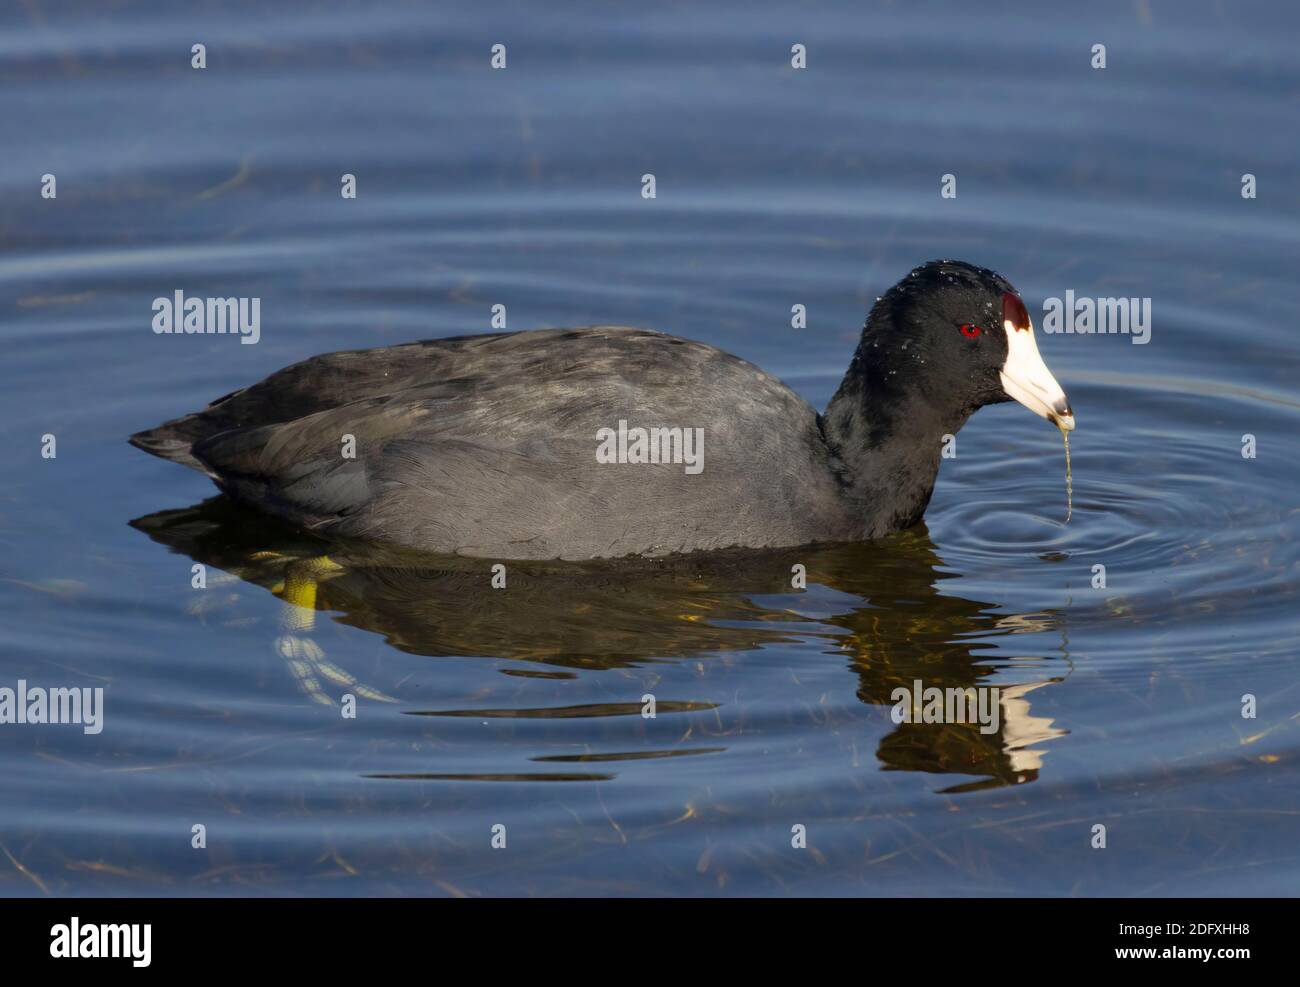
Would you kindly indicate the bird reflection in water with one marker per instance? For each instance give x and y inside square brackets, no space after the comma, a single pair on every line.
[888,617]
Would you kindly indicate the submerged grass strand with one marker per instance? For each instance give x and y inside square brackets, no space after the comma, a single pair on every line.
[1069,479]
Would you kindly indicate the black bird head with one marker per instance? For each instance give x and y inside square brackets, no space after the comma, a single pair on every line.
[960,337]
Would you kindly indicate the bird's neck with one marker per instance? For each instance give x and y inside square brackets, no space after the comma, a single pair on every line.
[890,441]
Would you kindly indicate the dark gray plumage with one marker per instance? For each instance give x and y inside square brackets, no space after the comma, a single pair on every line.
[486,445]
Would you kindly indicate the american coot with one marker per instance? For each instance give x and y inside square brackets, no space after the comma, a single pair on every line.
[608,441]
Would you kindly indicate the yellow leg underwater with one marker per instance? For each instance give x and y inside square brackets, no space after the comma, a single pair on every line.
[300,582]
[303,655]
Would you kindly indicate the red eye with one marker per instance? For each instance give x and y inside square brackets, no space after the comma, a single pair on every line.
[970,331]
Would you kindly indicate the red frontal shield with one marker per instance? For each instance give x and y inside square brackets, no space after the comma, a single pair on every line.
[1013,311]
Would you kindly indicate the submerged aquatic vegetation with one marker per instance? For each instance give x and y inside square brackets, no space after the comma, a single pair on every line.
[1069,479]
